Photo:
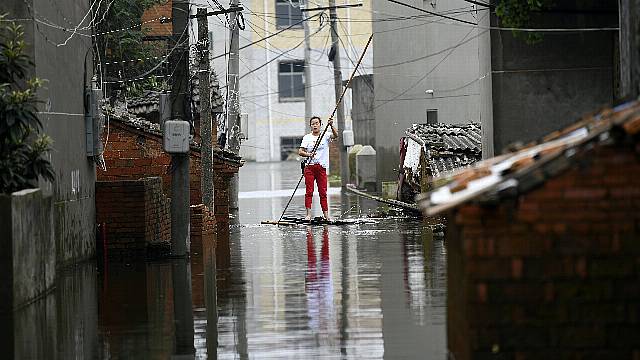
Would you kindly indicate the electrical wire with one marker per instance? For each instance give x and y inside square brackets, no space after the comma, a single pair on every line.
[383,102]
[480,3]
[80,23]
[432,13]
[352,47]
[441,51]
[265,38]
[178,44]
[460,22]
[277,57]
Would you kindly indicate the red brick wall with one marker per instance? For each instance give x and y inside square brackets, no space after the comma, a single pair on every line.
[136,214]
[131,154]
[203,227]
[554,274]
[155,28]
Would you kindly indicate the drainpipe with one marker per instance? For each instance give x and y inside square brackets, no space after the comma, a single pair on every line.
[268,69]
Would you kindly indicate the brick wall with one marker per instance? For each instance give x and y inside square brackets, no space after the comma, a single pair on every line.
[203,227]
[132,153]
[155,28]
[136,214]
[554,274]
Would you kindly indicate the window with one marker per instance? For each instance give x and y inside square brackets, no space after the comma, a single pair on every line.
[432,116]
[290,80]
[286,14]
[289,147]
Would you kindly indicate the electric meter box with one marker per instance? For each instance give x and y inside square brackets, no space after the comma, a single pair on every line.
[347,138]
[176,137]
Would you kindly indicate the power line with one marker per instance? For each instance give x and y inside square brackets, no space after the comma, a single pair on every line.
[424,76]
[460,22]
[431,12]
[479,3]
[266,37]
[80,23]
[178,44]
[432,54]
[275,58]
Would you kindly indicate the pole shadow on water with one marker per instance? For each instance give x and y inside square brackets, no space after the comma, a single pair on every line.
[182,308]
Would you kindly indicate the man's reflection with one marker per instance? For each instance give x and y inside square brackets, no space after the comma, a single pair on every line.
[318,283]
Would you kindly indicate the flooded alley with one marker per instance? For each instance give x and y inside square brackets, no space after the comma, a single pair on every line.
[375,290]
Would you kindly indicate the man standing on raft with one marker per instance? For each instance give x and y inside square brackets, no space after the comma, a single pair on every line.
[317,163]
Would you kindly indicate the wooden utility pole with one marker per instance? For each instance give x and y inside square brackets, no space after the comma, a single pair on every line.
[308,100]
[206,150]
[180,162]
[337,79]
[233,104]
[629,12]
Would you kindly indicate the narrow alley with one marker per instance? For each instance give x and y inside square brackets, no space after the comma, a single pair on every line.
[283,292]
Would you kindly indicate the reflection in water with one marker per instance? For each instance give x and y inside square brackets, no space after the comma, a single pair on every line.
[61,325]
[359,291]
[182,306]
[333,292]
[319,285]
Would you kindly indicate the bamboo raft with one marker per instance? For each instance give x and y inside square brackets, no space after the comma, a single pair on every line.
[288,220]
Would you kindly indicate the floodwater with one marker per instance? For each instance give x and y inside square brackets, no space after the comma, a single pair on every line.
[358,291]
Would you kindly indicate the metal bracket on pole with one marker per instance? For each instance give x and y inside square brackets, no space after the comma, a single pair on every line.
[218,12]
[343,6]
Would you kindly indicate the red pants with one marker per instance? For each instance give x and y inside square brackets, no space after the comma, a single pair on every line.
[317,172]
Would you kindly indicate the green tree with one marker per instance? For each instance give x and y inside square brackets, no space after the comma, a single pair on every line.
[122,42]
[517,14]
[22,147]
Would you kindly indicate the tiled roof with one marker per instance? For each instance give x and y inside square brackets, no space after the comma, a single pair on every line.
[448,147]
[145,104]
[452,138]
[520,171]
[132,121]
[217,101]
[150,101]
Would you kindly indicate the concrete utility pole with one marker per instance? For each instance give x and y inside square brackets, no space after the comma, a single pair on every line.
[337,79]
[629,13]
[206,150]
[180,176]
[233,106]
[308,101]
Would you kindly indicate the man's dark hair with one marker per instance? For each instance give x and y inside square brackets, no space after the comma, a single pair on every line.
[315,117]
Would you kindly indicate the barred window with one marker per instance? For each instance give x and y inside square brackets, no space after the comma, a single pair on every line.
[291,80]
[286,14]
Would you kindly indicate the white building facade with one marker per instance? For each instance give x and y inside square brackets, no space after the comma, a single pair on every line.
[272,84]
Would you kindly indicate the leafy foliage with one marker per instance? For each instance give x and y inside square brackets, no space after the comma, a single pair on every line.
[22,148]
[119,48]
[517,14]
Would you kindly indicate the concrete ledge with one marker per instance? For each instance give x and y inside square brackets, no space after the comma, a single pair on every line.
[27,247]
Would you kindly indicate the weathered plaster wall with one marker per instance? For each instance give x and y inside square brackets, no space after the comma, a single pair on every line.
[61,112]
[27,257]
[414,55]
[539,88]
[363,116]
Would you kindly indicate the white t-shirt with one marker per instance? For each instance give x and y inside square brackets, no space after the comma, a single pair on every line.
[322,152]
